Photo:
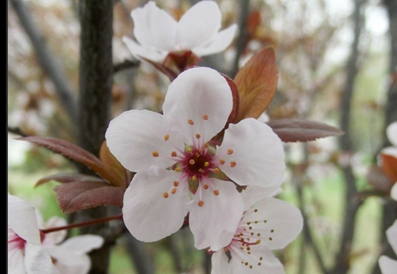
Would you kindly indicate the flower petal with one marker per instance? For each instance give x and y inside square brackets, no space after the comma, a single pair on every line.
[260,260]
[136,139]
[391,233]
[387,265]
[147,214]
[16,261]
[393,192]
[201,95]
[253,194]
[83,244]
[219,43]
[257,156]
[22,219]
[154,28]
[277,222]
[140,52]
[391,132]
[220,263]
[69,262]
[220,212]
[37,261]
[198,25]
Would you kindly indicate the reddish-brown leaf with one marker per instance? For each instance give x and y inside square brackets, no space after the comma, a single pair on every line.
[256,83]
[68,178]
[299,130]
[114,172]
[378,179]
[388,165]
[76,196]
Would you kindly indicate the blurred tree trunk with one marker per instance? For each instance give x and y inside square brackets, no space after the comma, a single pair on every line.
[389,207]
[352,201]
[95,80]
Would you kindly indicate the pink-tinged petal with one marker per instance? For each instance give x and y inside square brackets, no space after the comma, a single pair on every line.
[198,25]
[253,194]
[136,139]
[15,261]
[22,219]
[198,101]
[69,262]
[55,237]
[260,260]
[37,261]
[391,234]
[224,239]
[83,244]
[393,192]
[220,263]
[387,265]
[252,154]
[140,52]
[154,28]
[391,132]
[149,213]
[277,222]
[219,43]
[221,211]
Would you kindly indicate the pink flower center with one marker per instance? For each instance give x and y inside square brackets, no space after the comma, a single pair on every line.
[197,164]
[14,241]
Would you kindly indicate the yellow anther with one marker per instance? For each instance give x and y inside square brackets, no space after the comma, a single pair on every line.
[232,164]
[176,183]
[206,164]
[200,203]
[165,194]
[166,137]
[198,136]
[190,122]
[177,169]
[191,162]
[197,154]
[155,154]
[200,170]
[205,186]
[194,178]
[189,149]
[216,170]
[173,154]
[230,151]
[216,192]
[205,117]
[173,191]
[222,161]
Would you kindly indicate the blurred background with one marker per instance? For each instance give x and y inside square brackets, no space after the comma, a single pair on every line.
[337,65]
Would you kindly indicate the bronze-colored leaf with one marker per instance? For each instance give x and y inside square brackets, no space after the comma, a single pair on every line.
[114,172]
[388,164]
[68,178]
[70,151]
[299,130]
[76,196]
[257,83]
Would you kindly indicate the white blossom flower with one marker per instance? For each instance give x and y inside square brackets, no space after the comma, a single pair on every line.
[33,252]
[386,264]
[157,34]
[391,133]
[180,170]
[268,224]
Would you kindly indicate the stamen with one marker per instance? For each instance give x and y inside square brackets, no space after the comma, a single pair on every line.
[216,170]
[200,203]
[166,137]
[198,136]
[190,122]
[197,154]
[216,192]
[230,151]
[222,161]
[233,164]
[206,164]
[205,186]
[173,191]
[189,149]
[177,169]
[205,117]
[191,162]
[155,154]
[176,183]
[173,154]
[194,178]
[165,194]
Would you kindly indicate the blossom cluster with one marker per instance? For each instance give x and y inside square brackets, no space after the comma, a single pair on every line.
[192,166]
